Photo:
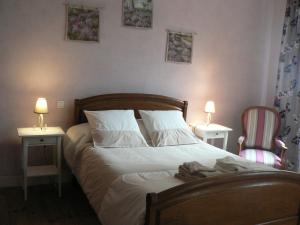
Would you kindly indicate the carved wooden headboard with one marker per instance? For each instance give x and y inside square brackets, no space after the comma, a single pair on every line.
[127,101]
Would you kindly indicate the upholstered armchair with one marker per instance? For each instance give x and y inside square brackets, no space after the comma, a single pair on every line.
[259,142]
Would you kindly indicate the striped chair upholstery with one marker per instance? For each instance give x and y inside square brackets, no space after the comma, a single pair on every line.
[260,156]
[260,127]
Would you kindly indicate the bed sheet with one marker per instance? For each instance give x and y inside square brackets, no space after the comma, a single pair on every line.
[102,171]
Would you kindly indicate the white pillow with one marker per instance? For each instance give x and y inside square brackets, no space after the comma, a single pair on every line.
[115,128]
[144,131]
[167,128]
[79,134]
[76,138]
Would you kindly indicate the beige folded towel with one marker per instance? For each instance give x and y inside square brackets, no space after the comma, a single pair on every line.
[187,178]
[193,170]
[194,167]
[230,165]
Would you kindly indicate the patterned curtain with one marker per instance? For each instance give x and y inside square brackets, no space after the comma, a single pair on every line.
[287,99]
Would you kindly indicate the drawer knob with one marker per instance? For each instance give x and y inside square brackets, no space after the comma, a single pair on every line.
[217,133]
[42,140]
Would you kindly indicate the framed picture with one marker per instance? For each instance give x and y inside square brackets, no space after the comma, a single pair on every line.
[179,47]
[82,23]
[137,13]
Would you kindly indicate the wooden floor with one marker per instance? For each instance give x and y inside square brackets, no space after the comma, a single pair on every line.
[44,207]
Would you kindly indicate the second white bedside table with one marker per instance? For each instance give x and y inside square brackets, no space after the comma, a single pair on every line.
[37,137]
[212,131]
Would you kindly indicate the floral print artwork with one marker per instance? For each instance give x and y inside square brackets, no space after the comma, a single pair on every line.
[82,23]
[287,99]
[179,47]
[137,13]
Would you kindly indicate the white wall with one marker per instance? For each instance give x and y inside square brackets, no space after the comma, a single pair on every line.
[229,62]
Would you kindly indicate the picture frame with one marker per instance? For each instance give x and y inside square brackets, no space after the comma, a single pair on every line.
[82,23]
[137,13]
[179,47]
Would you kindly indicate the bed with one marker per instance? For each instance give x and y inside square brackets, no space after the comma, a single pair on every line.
[137,186]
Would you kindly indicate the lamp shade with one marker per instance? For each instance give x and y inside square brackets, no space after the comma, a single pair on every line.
[41,106]
[210,107]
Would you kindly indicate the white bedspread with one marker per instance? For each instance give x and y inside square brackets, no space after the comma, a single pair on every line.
[116,180]
[125,201]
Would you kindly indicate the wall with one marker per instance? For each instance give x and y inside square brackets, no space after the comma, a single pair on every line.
[230,51]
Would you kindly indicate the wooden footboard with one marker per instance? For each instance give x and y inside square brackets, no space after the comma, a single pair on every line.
[271,198]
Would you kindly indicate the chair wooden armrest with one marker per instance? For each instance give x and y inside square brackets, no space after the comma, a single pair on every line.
[280,144]
[240,143]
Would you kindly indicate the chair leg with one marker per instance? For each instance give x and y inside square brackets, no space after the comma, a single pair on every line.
[283,160]
[239,149]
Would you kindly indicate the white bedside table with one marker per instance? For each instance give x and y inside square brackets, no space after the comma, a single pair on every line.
[37,137]
[212,131]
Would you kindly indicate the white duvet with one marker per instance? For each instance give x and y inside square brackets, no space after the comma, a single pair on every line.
[116,180]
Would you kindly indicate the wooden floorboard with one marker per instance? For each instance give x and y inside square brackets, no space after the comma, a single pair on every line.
[44,207]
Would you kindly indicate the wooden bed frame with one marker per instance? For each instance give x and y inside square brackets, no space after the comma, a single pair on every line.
[127,101]
[266,198]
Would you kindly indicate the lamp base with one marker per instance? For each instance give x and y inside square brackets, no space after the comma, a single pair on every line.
[208,121]
[41,121]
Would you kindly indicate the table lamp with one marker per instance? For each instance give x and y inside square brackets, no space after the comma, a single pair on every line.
[209,109]
[41,108]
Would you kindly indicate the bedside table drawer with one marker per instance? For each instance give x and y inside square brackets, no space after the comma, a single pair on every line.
[41,141]
[215,134]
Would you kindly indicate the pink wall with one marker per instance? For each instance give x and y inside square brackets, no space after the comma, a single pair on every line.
[230,52]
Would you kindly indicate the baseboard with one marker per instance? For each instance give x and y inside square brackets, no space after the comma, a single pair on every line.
[17,181]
